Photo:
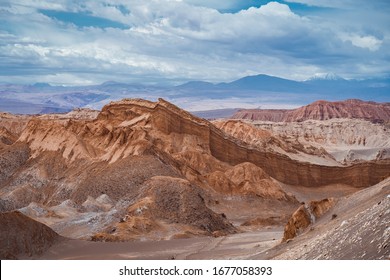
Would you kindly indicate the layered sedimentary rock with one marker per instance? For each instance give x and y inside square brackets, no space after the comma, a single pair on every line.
[271,115]
[322,110]
[346,140]
[264,137]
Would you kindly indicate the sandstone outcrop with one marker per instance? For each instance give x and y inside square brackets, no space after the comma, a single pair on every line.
[305,216]
[13,123]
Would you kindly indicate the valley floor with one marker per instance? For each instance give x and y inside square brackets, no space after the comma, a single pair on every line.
[236,246]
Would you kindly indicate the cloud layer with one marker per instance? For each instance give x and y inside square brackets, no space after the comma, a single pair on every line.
[85,42]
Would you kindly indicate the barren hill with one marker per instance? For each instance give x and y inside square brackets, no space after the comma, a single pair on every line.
[356,227]
[322,110]
[22,236]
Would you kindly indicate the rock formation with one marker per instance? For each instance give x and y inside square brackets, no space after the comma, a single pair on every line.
[167,201]
[265,137]
[322,110]
[21,236]
[346,141]
[305,216]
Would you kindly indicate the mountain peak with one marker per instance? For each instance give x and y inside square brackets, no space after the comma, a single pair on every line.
[325,76]
[41,85]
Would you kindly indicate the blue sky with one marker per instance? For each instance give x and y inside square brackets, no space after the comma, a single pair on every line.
[172,41]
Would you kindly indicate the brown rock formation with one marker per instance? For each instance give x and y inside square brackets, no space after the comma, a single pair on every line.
[245,179]
[299,221]
[251,179]
[167,201]
[21,236]
[319,208]
[306,215]
[293,172]
[271,115]
[267,140]
[177,201]
[14,123]
[6,137]
[245,132]
[322,110]
[352,108]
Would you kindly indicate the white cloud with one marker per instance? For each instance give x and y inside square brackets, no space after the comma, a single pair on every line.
[178,41]
[367,42]
[37,4]
[349,4]
[215,4]
[323,3]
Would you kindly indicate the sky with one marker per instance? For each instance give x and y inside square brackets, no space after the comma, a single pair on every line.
[69,42]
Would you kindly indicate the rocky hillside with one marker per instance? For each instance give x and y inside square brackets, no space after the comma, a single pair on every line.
[356,227]
[322,110]
[21,236]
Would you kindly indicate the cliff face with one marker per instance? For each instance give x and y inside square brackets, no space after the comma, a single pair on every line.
[322,110]
[277,142]
[297,173]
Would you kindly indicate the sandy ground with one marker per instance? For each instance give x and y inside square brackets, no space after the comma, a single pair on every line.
[237,246]
[305,194]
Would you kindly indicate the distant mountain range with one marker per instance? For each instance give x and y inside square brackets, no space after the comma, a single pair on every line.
[317,84]
[326,76]
[247,91]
